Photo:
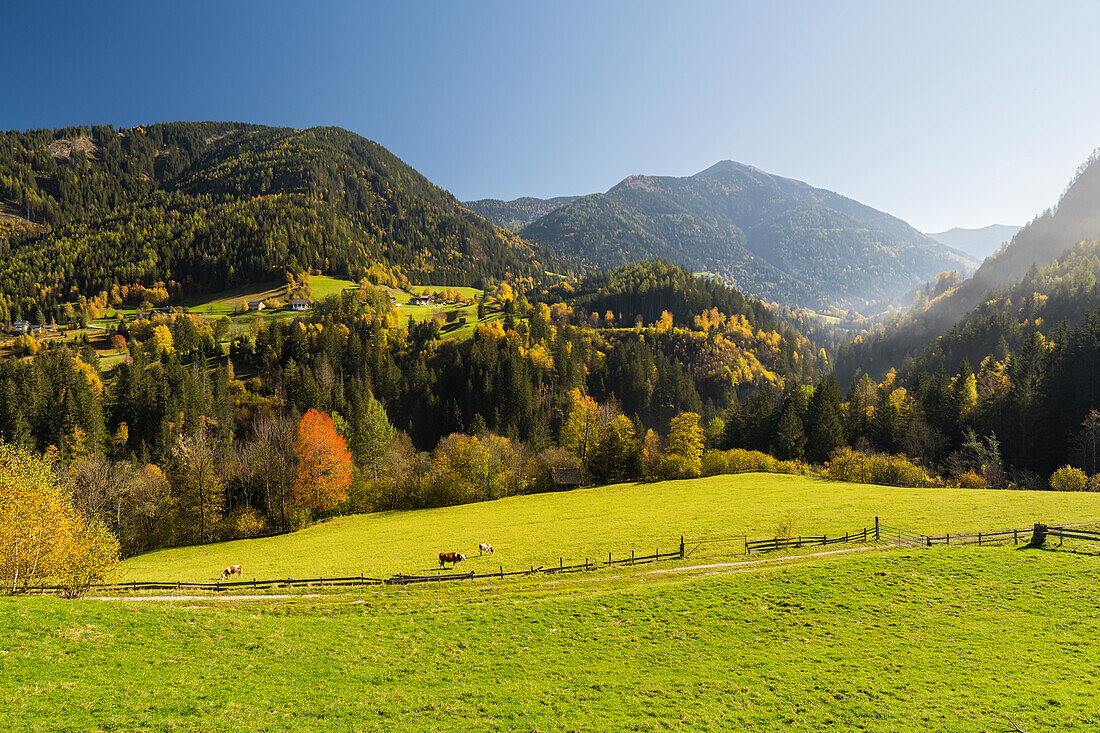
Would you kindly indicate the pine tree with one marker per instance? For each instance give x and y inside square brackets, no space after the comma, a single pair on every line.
[826,434]
[790,439]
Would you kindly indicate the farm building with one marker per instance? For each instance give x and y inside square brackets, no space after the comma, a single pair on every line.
[421,300]
[567,478]
[300,304]
[19,327]
[255,305]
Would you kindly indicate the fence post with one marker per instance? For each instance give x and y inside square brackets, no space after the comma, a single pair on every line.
[502,572]
[609,558]
[948,538]
[1038,535]
[681,547]
[979,539]
[561,563]
[876,529]
[1015,536]
[632,557]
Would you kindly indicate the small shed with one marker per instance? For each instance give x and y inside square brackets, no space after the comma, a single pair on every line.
[566,478]
[255,305]
[300,304]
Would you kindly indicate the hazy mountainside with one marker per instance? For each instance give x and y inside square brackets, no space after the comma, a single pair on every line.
[517,213]
[1075,219]
[1060,295]
[978,243]
[771,237]
[206,206]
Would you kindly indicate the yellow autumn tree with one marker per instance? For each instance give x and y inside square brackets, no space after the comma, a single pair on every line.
[686,442]
[586,426]
[42,537]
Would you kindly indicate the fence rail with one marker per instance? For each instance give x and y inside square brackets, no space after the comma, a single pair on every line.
[779,543]
[363,580]
[1069,533]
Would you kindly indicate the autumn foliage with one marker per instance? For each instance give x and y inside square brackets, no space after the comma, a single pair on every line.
[42,537]
[324,464]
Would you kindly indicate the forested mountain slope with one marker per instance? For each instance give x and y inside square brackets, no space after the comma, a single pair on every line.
[210,205]
[1075,219]
[517,213]
[771,237]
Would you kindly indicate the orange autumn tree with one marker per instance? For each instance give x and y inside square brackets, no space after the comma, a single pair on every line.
[324,464]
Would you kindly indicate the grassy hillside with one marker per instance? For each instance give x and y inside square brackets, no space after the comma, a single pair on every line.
[941,639]
[538,529]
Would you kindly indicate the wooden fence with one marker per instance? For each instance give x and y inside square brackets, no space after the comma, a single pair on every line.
[363,580]
[881,534]
[780,543]
[1041,532]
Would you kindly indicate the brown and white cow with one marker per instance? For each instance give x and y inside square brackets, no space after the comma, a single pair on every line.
[450,557]
[484,547]
[232,570]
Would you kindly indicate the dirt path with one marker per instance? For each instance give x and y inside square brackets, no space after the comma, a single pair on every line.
[763,561]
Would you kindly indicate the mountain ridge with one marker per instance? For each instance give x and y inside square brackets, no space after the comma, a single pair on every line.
[977,242]
[772,237]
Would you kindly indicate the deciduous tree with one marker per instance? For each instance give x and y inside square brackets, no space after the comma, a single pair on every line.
[324,464]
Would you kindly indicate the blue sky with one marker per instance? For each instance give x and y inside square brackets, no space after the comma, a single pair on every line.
[945,114]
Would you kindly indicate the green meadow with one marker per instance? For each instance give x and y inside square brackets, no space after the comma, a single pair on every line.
[932,639]
[543,529]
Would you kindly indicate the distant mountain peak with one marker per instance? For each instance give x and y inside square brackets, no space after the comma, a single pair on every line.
[775,238]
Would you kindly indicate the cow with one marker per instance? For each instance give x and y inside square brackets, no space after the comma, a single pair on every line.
[232,570]
[450,557]
[484,547]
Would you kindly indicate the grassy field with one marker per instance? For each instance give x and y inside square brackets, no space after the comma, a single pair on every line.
[934,639]
[588,523]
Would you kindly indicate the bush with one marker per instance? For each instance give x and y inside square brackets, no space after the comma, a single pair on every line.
[877,468]
[715,462]
[972,480]
[244,524]
[1068,478]
[674,466]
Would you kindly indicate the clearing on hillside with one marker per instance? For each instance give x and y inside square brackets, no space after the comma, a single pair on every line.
[538,529]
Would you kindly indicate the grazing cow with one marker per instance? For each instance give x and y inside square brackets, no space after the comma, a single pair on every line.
[232,570]
[450,557]
[484,547]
